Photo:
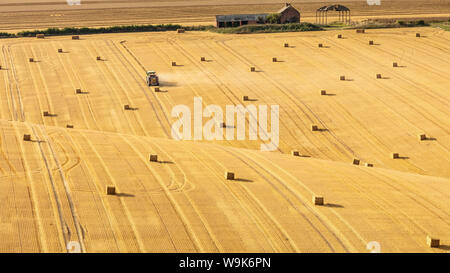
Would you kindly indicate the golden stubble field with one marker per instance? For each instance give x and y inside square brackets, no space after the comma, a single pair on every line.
[28,14]
[53,189]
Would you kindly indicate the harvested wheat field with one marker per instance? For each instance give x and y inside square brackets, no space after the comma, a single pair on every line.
[379,156]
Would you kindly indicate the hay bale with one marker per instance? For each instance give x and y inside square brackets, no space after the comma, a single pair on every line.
[60,50]
[229,176]
[318,200]
[323,92]
[342,78]
[295,153]
[26,137]
[1,67]
[223,125]
[422,137]
[174,63]
[355,161]
[418,35]
[339,36]
[157,89]
[252,69]
[46,114]
[314,127]
[99,58]
[126,107]
[286,45]
[394,64]
[75,37]
[379,76]
[110,190]
[69,126]
[320,45]
[31,60]
[78,91]
[360,31]
[40,36]
[274,60]
[180,30]
[371,43]
[433,242]
[153,158]
[245,98]
[395,155]
[202,59]
[369,165]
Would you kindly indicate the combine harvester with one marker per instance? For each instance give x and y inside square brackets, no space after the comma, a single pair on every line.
[152,78]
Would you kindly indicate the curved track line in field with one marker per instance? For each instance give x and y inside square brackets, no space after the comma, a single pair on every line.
[253,209]
[77,160]
[295,101]
[221,86]
[66,157]
[177,208]
[67,191]
[145,90]
[343,241]
[180,186]
[113,181]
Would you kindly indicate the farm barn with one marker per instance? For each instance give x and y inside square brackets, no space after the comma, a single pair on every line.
[288,14]
[236,20]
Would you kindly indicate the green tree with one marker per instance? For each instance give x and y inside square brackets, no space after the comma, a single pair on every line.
[273,18]
[260,20]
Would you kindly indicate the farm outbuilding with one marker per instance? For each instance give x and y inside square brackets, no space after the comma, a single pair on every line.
[343,12]
[236,20]
[288,14]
